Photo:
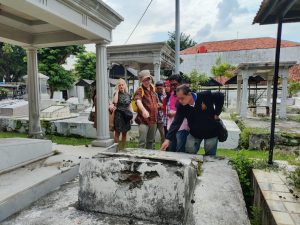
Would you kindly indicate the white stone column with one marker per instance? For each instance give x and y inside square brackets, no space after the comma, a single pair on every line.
[110,90]
[284,94]
[103,136]
[269,90]
[244,104]
[80,94]
[238,96]
[156,64]
[35,130]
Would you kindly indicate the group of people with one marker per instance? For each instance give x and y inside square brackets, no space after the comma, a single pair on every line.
[183,118]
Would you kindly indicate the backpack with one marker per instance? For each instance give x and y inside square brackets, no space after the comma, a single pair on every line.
[133,102]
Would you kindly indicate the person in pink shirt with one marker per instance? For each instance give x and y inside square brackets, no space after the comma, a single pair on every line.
[177,144]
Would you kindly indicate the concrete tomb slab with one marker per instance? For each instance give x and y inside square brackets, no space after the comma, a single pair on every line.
[149,185]
[13,108]
[16,152]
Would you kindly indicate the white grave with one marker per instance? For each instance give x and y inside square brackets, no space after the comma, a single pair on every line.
[16,152]
[43,79]
[58,95]
[17,108]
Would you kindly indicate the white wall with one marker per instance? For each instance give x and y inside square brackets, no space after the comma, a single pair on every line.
[203,62]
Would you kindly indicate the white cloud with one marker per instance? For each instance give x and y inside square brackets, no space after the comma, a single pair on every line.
[204,20]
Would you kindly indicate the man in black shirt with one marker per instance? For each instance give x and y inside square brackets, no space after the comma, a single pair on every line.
[202,111]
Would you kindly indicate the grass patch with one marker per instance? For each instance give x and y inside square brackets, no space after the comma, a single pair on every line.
[294,118]
[257,154]
[54,138]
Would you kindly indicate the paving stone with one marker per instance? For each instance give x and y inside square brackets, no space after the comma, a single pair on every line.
[276,205]
[287,197]
[270,195]
[292,207]
[273,187]
[283,218]
[296,218]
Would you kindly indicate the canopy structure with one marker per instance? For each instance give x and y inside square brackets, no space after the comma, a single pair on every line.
[254,73]
[152,56]
[34,24]
[277,12]
[211,83]
[118,71]
[271,10]
[232,80]
[85,83]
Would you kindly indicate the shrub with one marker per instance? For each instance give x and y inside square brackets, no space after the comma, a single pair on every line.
[294,178]
[294,88]
[243,167]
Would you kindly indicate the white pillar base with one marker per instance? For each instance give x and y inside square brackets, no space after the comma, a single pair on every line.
[103,143]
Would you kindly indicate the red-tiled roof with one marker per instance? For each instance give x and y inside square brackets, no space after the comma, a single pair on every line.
[294,73]
[221,79]
[237,45]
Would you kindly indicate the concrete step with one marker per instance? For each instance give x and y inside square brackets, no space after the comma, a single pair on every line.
[23,186]
[16,152]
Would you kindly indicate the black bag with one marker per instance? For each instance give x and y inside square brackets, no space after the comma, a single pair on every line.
[222,131]
[91,116]
[127,114]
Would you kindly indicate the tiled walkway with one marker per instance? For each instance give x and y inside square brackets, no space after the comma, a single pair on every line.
[273,195]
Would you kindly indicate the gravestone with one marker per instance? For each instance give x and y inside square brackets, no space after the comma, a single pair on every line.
[43,79]
[149,185]
[17,108]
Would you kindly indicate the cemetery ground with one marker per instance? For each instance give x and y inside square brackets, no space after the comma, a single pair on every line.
[291,158]
[250,164]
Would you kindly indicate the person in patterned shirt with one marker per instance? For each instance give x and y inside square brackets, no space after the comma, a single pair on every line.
[159,88]
[147,103]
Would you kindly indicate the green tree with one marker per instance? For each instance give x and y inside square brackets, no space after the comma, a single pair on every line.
[185,41]
[12,62]
[222,69]
[197,79]
[85,66]
[50,63]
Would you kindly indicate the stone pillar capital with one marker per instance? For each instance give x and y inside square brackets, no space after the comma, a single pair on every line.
[157,62]
[31,49]
[102,43]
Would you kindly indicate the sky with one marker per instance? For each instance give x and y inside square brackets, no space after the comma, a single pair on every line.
[203,20]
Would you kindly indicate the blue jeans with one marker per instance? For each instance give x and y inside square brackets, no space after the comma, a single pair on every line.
[179,142]
[193,144]
[181,137]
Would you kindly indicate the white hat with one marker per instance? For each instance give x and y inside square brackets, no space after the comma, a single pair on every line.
[144,74]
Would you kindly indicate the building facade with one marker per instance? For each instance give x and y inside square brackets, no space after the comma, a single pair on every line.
[255,50]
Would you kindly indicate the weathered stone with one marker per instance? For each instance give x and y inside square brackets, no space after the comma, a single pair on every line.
[218,196]
[149,185]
